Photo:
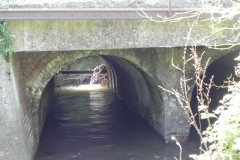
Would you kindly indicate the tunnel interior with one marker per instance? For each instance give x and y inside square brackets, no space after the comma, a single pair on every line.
[128,82]
[135,87]
[221,69]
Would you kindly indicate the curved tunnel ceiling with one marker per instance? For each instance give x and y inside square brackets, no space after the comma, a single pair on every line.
[136,88]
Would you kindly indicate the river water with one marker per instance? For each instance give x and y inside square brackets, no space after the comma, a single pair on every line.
[95,124]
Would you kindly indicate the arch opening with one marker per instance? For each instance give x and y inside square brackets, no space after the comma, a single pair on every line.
[79,72]
[221,69]
[131,84]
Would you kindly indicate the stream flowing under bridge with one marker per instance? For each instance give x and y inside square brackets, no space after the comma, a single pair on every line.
[136,51]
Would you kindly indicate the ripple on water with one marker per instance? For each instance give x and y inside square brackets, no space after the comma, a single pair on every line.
[95,124]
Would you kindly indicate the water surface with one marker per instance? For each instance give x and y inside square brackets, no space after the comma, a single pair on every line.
[95,124]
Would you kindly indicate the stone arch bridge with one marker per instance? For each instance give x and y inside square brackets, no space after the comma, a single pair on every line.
[138,56]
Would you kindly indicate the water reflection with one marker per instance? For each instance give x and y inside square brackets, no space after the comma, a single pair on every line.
[86,124]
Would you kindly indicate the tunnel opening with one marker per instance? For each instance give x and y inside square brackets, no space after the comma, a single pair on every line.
[135,87]
[75,79]
[221,69]
[128,84]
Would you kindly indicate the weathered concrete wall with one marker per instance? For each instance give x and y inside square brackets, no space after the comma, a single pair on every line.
[108,34]
[82,35]
[17,139]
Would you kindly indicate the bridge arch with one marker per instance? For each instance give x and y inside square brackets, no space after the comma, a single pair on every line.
[146,68]
[127,79]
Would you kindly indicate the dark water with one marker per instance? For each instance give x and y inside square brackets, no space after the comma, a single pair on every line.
[97,125]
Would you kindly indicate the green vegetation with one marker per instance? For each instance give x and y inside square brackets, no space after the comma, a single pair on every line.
[8,71]
[227,128]
[5,41]
[223,136]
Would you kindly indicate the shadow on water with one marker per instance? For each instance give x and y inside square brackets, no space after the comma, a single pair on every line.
[97,125]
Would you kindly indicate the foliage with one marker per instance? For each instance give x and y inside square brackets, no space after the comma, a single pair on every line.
[5,41]
[225,132]
[227,127]
[8,71]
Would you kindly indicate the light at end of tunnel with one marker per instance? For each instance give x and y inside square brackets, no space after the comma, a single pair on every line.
[86,87]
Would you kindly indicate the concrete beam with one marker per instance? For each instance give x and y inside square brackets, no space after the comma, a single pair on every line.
[91,13]
[76,72]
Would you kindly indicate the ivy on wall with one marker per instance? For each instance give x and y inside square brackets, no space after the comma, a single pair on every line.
[5,40]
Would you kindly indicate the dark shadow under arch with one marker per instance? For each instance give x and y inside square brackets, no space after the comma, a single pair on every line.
[137,89]
[221,69]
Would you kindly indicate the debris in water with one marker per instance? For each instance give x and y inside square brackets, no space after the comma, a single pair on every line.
[99,73]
